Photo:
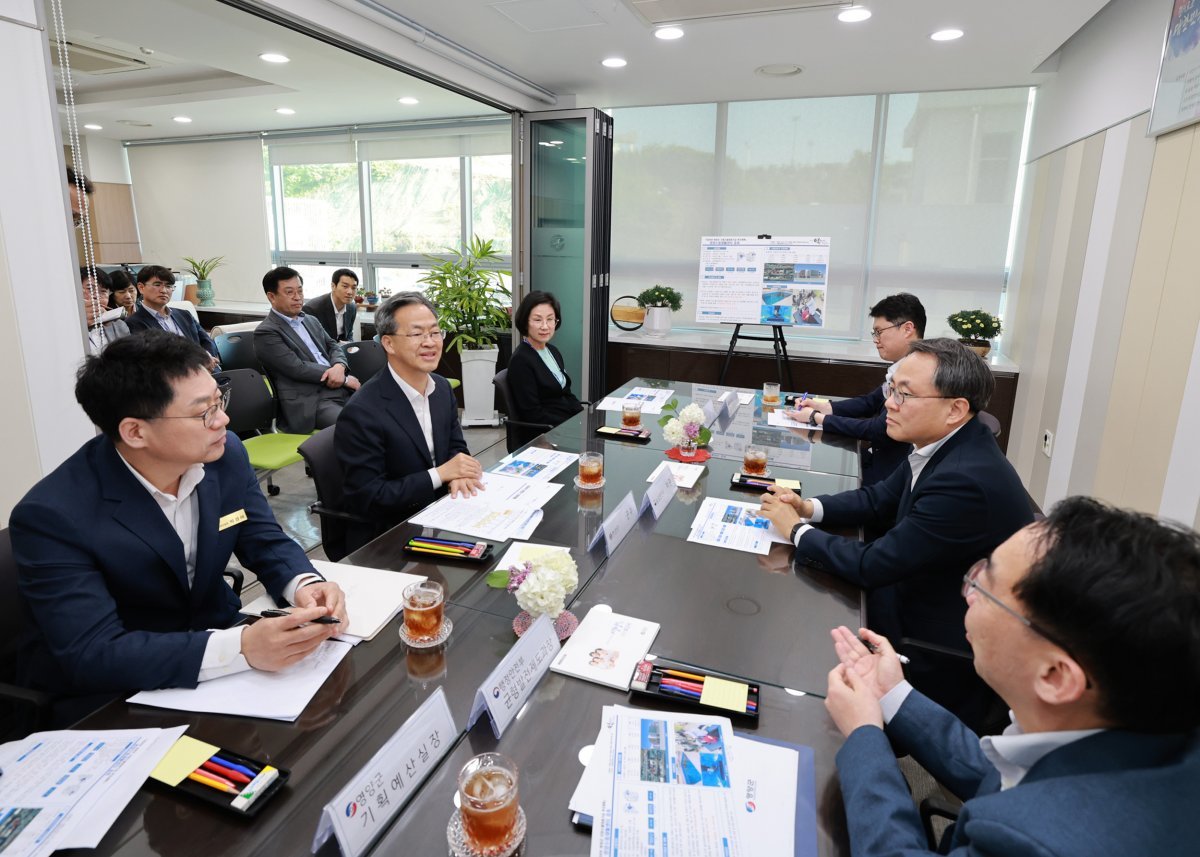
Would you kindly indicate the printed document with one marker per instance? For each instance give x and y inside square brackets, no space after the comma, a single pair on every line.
[733,524]
[535,463]
[652,399]
[509,508]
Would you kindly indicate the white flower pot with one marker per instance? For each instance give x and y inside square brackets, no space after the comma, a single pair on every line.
[479,367]
[658,321]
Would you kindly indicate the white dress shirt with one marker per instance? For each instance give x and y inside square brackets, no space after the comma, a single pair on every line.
[419,400]
[339,315]
[165,321]
[223,652]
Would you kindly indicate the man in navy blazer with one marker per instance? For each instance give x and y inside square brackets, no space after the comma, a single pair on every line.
[896,322]
[120,551]
[336,311]
[156,284]
[949,503]
[1086,625]
[399,440]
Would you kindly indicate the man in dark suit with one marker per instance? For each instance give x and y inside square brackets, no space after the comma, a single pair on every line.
[951,502]
[1086,625]
[120,551]
[896,322]
[156,284]
[336,310]
[399,439]
[306,365]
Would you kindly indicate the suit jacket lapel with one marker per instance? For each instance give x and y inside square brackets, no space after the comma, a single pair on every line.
[290,335]
[402,412]
[208,494]
[318,337]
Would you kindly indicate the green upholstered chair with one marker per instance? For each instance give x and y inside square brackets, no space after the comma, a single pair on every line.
[252,416]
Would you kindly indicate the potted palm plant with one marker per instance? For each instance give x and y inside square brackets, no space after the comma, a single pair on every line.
[202,270]
[659,302]
[472,301]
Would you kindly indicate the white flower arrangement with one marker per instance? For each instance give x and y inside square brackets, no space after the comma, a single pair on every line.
[542,583]
[688,425]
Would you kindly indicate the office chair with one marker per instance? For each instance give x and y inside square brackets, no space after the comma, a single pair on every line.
[251,414]
[237,351]
[321,456]
[22,710]
[365,357]
[991,422]
[517,432]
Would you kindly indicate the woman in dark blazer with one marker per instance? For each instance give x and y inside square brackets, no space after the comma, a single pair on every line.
[537,379]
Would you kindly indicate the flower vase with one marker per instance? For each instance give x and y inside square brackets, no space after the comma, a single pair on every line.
[205,293]
[979,346]
[564,625]
[687,449]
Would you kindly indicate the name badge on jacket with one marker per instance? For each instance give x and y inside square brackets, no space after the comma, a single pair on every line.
[231,520]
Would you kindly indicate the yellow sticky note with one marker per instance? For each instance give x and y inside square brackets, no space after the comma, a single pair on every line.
[185,756]
[790,484]
[722,693]
[232,519]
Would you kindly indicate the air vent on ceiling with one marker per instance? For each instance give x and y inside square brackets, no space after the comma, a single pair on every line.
[89,59]
[656,12]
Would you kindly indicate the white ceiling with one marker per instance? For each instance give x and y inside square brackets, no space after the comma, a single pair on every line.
[206,63]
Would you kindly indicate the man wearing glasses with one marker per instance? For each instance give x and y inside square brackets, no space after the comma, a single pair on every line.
[1086,625]
[156,284]
[120,551]
[954,499]
[399,439]
[896,322]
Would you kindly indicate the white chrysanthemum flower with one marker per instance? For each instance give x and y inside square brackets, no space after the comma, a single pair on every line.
[673,431]
[693,413]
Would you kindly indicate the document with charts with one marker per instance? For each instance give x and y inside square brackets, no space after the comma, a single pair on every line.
[733,524]
[508,508]
[535,463]
[776,281]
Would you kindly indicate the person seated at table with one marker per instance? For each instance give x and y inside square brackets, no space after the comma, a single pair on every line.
[155,285]
[124,293]
[1087,624]
[950,502]
[896,322]
[398,439]
[537,377]
[120,550]
[103,324]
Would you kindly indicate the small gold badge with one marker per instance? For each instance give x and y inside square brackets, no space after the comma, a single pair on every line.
[232,519]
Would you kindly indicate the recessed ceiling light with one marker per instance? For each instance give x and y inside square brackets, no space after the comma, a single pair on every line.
[408,99]
[273,58]
[854,14]
[613,62]
[668,34]
[285,111]
[778,70]
[183,120]
[94,127]
[134,123]
[947,35]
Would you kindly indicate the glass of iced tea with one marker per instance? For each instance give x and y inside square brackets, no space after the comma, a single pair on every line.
[591,470]
[487,801]
[770,393]
[754,460]
[631,413]
[424,606]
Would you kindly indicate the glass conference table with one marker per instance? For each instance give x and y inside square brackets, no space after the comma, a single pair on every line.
[758,617]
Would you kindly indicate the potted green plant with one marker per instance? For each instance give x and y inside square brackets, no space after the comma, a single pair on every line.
[976,329]
[659,302]
[473,306]
[202,269]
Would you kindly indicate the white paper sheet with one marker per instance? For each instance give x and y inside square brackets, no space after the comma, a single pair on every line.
[535,463]
[279,695]
[685,475]
[652,400]
[778,419]
[733,524]
[65,789]
[509,508]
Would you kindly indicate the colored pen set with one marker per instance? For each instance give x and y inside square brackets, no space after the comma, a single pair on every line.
[248,782]
[449,548]
[683,684]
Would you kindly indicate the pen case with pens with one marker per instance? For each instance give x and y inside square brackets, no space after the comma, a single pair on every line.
[213,781]
[760,484]
[437,549]
[669,682]
[632,435]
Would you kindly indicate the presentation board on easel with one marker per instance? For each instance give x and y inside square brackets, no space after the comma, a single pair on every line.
[763,280]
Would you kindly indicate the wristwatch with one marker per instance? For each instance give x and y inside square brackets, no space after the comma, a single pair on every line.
[812,418]
[795,530]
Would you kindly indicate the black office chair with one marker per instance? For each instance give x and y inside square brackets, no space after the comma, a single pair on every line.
[22,711]
[517,432]
[991,422]
[251,417]
[237,351]
[321,456]
[365,357]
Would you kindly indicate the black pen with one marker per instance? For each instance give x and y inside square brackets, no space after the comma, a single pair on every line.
[872,650]
[320,620]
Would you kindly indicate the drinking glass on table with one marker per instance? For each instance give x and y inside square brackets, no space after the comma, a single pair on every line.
[770,395]
[591,469]
[631,413]
[487,798]
[424,609]
[754,460]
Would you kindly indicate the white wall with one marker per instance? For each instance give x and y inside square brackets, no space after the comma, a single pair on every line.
[203,200]
[1105,76]
[104,159]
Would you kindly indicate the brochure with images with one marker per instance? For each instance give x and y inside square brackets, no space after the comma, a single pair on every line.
[606,648]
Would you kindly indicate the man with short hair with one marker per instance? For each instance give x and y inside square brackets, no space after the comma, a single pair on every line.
[1086,624]
[896,322]
[306,365]
[79,187]
[952,501]
[103,324]
[399,440]
[336,310]
[120,551]
[156,284]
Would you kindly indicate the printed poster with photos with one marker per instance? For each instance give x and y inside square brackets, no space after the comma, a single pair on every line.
[746,280]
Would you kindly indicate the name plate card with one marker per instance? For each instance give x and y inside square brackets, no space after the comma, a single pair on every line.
[710,412]
[617,525]
[366,804]
[509,685]
[729,402]
[659,494]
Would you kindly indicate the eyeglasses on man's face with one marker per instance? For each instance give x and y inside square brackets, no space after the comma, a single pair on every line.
[878,332]
[971,583]
[209,415]
[422,335]
[899,397]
